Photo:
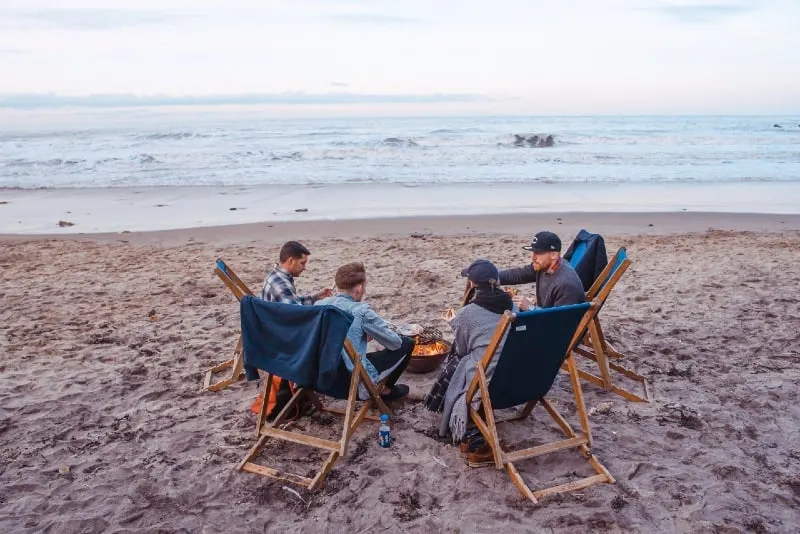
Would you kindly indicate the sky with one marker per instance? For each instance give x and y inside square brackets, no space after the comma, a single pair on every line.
[412,56]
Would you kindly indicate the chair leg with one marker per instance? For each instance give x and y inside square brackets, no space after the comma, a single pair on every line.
[262,412]
[253,451]
[237,372]
[492,438]
[519,483]
[322,474]
[374,391]
[352,421]
[607,347]
[248,466]
[599,352]
[622,392]
[602,476]
[348,414]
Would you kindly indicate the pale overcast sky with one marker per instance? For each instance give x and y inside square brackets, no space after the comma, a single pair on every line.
[470,56]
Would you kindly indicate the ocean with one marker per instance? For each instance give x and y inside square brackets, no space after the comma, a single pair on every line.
[170,150]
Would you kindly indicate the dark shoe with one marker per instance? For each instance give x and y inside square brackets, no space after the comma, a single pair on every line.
[398,392]
[473,444]
[471,434]
[480,444]
[480,458]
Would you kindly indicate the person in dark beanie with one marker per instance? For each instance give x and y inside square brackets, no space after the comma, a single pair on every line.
[557,284]
[473,326]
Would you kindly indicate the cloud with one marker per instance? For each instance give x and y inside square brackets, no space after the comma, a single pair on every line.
[49,100]
[339,84]
[701,12]
[93,19]
[11,52]
[373,18]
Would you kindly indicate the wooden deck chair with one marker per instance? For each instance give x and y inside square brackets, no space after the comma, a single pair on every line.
[594,345]
[239,290]
[538,342]
[345,388]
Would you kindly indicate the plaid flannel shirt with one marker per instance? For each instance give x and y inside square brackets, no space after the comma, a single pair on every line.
[279,287]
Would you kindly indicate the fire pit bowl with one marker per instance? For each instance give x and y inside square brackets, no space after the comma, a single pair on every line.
[427,357]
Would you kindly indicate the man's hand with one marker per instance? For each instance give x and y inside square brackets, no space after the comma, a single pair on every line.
[522,303]
[325,293]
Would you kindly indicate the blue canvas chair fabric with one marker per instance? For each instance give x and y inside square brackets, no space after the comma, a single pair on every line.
[239,290]
[304,344]
[596,347]
[587,255]
[537,344]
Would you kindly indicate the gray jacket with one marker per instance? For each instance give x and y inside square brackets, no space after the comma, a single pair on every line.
[474,327]
[561,288]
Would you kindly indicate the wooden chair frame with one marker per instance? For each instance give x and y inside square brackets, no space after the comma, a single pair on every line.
[236,364]
[335,449]
[594,345]
[487,424]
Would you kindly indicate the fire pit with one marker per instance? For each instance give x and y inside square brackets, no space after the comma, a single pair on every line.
[427,357]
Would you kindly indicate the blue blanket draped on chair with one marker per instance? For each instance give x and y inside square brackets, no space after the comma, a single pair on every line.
[302,344]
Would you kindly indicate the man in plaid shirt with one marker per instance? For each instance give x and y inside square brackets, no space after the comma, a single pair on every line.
[279,285]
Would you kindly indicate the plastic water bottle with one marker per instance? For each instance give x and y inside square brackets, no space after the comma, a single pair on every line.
[384,435]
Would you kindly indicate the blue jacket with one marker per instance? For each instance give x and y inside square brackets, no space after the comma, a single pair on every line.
[302,344]
[587,255]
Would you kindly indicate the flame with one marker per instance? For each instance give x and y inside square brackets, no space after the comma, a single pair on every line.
[513,291]
[431,349]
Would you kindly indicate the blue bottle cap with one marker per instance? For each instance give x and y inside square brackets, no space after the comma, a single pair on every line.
[384,417]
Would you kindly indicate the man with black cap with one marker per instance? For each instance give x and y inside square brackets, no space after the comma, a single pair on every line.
[557,284]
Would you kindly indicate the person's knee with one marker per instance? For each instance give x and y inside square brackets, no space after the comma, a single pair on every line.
[407,345]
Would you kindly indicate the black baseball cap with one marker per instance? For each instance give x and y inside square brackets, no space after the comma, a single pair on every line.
[481,271]
[544,242]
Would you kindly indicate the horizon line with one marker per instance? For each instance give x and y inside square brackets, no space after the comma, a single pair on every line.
[291,98]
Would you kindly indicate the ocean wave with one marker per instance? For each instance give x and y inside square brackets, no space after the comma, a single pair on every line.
[21,182]
[543,140]
[400,142]
[294,156]
[172,136]
[144,159]
[419,151]
[323,133]
[441,131]
[55,162]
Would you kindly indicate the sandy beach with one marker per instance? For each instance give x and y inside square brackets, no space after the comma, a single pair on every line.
[67,211]
[104,427]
